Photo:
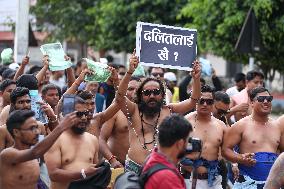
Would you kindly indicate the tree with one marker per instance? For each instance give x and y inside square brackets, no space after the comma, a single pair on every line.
[219,23]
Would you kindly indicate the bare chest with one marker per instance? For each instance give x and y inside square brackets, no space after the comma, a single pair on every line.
[23,174]
[78,151]
[121,124]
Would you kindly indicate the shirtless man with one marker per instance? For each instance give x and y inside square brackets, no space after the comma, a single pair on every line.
[148,111]
[258,139]
[275,179]
[19,165]
[114,141]
[6,87]
[69,161]
[241,99]
[210,130]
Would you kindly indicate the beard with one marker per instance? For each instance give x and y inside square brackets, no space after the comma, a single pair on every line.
[150,110]
[78,130]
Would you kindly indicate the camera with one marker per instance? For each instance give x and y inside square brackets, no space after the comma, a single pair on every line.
[194,145]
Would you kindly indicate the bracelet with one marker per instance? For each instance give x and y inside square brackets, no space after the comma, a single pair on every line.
[83,174]
[111,157]
[129,73]
[195,99]
[53,121]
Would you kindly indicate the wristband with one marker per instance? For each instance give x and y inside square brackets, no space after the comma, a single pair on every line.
[111,157]
[83,174]
[195,99]
[53,121]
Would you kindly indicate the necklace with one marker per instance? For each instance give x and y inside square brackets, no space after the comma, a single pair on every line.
[195,120]
[143,144]
[253,120]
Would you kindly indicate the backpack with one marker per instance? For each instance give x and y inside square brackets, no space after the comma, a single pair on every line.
[130,180]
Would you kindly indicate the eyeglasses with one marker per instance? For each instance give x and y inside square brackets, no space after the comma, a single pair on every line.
[33,129]
[121,73]
[262,98]
[24,101]
[155,92]
[80,114]
[158,74]
[208,101]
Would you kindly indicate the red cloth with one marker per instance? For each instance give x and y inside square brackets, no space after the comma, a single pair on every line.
[164,179]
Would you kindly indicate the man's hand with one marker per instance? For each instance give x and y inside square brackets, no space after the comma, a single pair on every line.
[133,62]
[114,76]
[243,107]
[46,108]
[69,120]
[25,60]
[45,60]
[90,171]
[115,164]
[82,75]
[67,58]
[247,159]
[196,70]
[236,171]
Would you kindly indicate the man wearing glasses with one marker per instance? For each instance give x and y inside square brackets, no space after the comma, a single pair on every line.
[258,138]
[211,131]
[147,112]
[19,165]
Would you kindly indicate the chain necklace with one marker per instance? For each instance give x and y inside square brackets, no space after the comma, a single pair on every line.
[143,144]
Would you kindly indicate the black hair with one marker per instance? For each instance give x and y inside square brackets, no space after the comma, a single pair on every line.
[222,96]
[202,81]
[151,68]
[85,95]
[18,92]
[239,77]
[2,69]
[255,91]
[6,83]
[8,74]
[135,79]
[140,88]
[34,69]
[27,80]
[17,118]
[50,86]
[252,74]
[172,129]
[79,100]
[207,89]
[109,58]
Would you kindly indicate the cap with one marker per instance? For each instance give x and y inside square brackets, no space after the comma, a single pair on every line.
[170,76]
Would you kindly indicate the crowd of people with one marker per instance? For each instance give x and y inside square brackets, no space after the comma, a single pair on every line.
[133,123]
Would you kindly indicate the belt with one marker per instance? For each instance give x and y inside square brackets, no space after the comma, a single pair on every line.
[201,176]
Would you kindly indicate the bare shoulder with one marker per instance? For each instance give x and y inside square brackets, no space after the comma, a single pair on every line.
[242,122]
[90,136]
[190,116]
[220,124]
[7,153]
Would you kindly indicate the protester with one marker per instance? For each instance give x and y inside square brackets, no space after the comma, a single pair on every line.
[148,111]
[20,161]
[93,86]
[51,95]
[6,87]
[253,79]
[258,139]
[210,130]
[114,140]
[173,138]
[70,165]
[240,84]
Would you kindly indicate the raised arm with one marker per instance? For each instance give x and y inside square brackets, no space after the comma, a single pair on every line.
[126,106]
[74,87]
[106,132]
[19,156]
[70,73]
[21,69]
[275,179]
[41,74]
[189,104]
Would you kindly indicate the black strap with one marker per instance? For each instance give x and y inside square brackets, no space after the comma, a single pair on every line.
[157,167]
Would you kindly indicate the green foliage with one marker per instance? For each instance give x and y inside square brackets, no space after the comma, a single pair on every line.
[219,23]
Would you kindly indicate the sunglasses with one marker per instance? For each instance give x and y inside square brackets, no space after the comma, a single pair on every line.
[262,98]
[155,92]
[208,101]
[158,74]
[121,73]
[80,114]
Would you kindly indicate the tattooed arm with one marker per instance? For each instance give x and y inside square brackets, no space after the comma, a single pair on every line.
[275,179]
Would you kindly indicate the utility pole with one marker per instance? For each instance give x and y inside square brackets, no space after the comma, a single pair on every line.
[21,40]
